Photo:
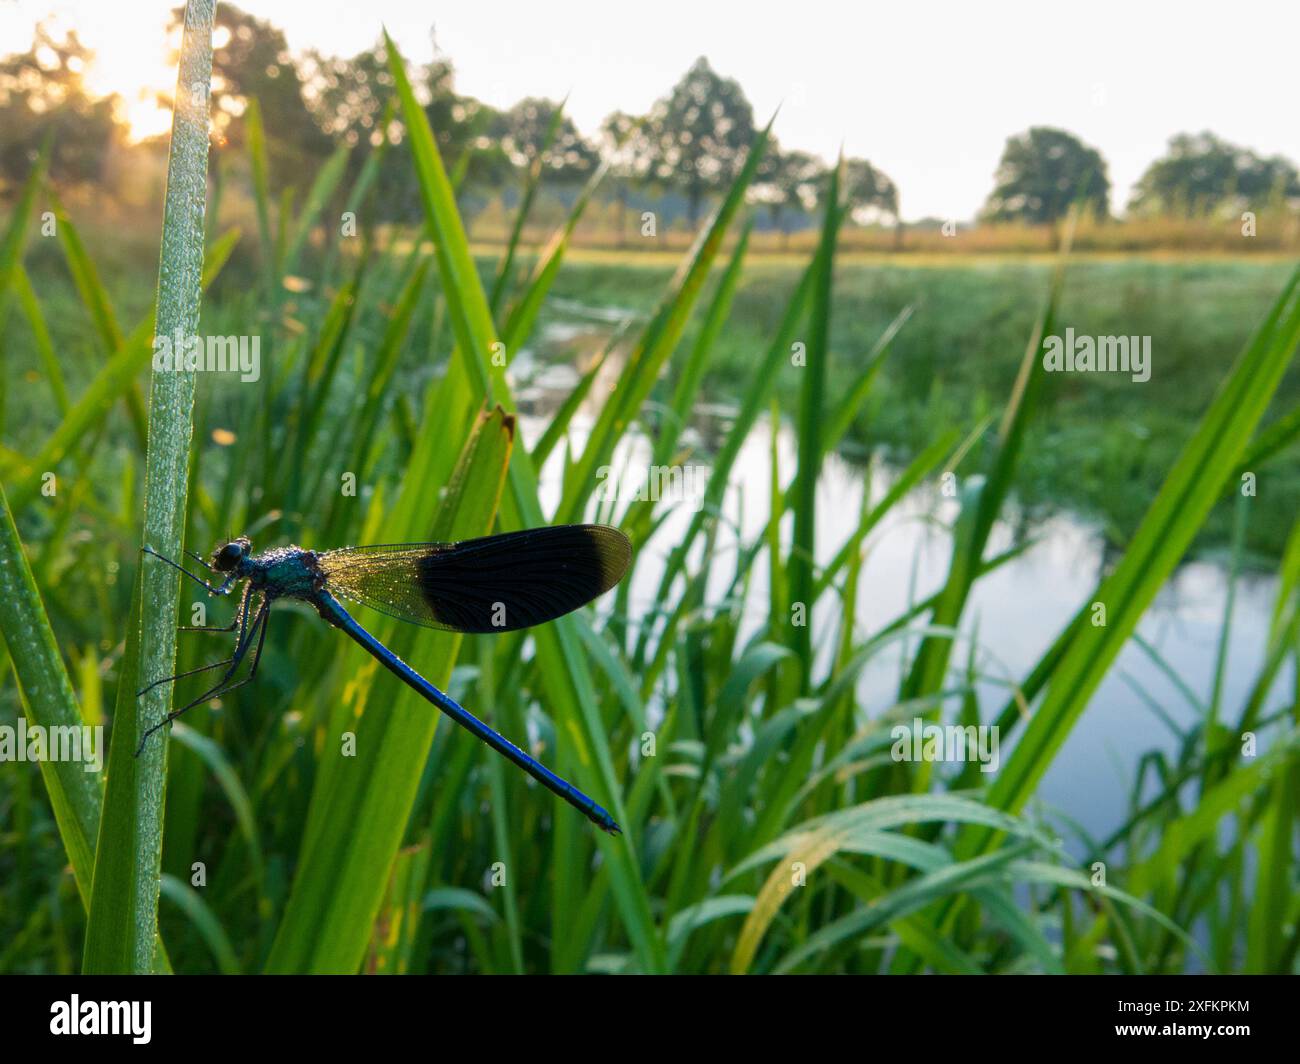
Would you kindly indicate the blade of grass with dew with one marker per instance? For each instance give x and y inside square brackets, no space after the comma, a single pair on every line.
[940,953]
[964,878]
[122,927]
[863,829]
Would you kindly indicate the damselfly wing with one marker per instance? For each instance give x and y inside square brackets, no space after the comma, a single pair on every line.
[491,584]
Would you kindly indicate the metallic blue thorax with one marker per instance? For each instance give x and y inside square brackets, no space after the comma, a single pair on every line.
[288,572]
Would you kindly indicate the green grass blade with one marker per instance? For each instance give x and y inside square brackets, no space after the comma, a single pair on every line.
[841,417]
[41,334]
[559,424]
[95,297]
[261,193]
[980,512]
[560,657]
[205,922]
[318,196]
[75,794]
[724,461]
[812,401]
[361,804]
[502,282]
[523,314]
[15,238]
[692,371]
[92,406]
[121,930]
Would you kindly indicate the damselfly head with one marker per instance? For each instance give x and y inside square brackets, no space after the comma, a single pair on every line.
[227,556]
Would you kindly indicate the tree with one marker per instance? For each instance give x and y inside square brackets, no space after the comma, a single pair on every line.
[1042,173]
[348,98]
[523,130]
[786,182]
[623,141]
[1200,172]
[699,133]
[43,94]
[462,124]
[251,60]
[868,191]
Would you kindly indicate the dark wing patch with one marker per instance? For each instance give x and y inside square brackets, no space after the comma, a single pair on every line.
[492,584]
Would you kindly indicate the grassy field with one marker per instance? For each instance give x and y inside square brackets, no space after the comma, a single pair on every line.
[323,819]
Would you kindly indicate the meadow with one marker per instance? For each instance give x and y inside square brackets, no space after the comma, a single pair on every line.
[769,825]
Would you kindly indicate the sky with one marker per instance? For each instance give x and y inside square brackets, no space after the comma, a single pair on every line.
[928,91]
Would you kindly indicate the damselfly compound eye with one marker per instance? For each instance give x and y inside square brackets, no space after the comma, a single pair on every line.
[228,556]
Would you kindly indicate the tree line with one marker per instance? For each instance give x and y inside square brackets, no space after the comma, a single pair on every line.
[688,146]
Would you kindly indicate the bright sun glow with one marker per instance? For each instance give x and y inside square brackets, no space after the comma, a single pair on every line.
[134,57]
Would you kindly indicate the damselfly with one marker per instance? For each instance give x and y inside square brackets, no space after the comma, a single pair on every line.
[493,584]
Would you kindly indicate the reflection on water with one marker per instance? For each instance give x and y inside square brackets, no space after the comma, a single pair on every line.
[1015,611]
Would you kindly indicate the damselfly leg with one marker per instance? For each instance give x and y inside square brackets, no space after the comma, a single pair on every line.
[227,683]
[223,589]
[241,619]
